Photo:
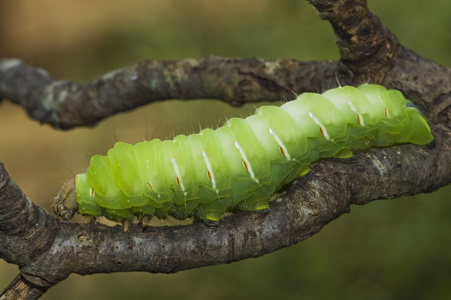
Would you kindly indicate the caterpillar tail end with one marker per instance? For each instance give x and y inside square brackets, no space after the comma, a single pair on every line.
[65,204]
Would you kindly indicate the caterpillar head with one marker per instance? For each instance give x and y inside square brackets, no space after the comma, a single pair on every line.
[65,204]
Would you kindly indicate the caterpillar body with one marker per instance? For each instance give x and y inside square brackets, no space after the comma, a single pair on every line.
[241,164]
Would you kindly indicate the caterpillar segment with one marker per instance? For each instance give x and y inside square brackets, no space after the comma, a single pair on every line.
[241,164]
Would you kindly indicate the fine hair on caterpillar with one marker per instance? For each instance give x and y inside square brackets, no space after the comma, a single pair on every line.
[239,165]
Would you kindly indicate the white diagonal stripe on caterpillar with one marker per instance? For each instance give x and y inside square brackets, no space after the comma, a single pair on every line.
[211,175]
[281,145]
[322,129]
[178,176]
[247,164]
[359,116]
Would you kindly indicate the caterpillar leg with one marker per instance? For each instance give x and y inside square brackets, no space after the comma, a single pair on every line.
[126,225]
[162,211]
[304,171]
[261,206]
[344,154]
[258,201]
[145,220]
[211,222]
[211,213]
[183,211]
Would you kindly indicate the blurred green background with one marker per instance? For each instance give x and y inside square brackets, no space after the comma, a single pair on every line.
[396,249]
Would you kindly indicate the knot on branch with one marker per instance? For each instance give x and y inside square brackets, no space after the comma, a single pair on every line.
[367,47]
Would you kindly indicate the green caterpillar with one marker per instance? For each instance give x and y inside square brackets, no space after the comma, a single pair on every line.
[241,164]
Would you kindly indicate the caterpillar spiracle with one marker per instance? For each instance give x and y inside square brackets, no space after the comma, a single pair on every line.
[240,165]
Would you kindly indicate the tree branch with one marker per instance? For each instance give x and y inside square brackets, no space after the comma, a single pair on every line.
[302,210]
[65,104]
[369,52]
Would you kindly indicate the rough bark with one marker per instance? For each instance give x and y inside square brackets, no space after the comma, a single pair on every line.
[66,104]
[48,250]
